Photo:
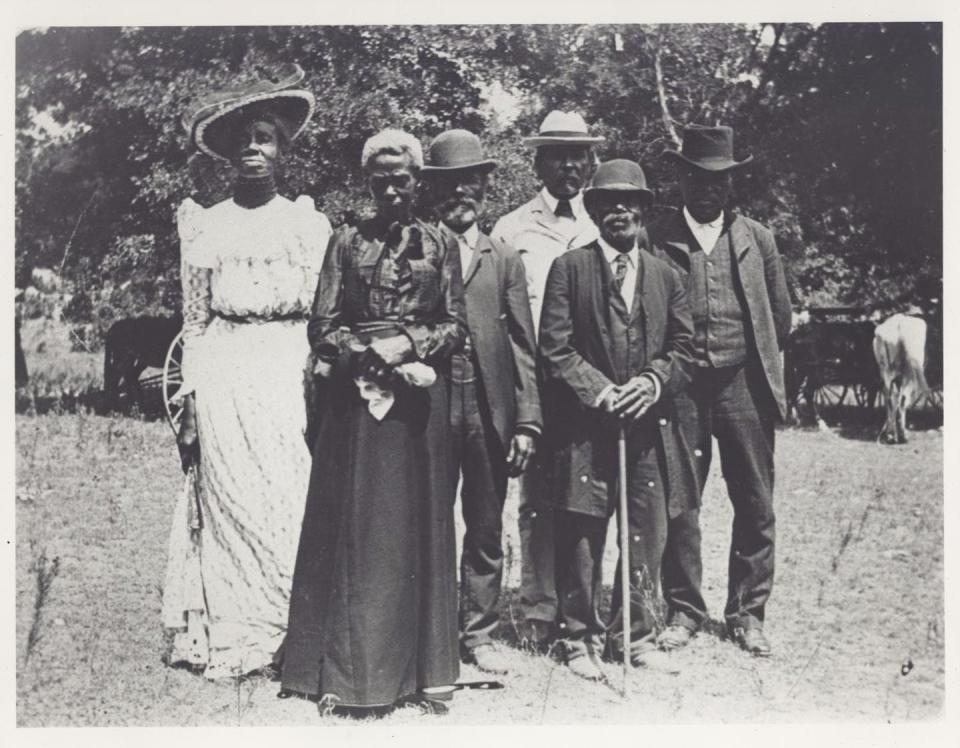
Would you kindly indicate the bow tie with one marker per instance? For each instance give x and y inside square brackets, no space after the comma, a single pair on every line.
[564,209]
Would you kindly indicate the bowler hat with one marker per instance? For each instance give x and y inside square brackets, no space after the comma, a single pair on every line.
[618,175]
[562,128]
[708,148]
[207,122]
[456,150]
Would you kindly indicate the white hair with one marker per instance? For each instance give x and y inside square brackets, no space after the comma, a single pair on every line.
[394,142]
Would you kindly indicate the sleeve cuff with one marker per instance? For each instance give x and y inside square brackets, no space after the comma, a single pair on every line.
[529,428]
[657,387]
[603,393]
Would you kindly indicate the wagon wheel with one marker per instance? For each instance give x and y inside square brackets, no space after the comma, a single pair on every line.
[829,396]
[172,379]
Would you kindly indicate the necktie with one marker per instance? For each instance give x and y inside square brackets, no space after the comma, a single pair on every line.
[619,273]
[563,209]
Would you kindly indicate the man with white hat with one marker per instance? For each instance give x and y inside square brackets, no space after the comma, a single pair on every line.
[541,230]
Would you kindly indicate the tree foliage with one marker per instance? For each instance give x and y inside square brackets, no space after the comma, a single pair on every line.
[844,122]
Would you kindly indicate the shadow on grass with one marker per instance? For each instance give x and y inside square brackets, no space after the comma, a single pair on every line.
[864,424]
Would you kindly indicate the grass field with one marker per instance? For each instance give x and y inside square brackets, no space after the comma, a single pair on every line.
[856,617]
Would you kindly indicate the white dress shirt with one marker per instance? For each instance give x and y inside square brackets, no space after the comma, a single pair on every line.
[467,242]
[706,234]
[627,293]
[629,288]
[576,205]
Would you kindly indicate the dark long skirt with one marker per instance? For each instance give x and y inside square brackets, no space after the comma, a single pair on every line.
[373,612]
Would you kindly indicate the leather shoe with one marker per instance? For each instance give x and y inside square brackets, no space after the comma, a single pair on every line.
[654,660]
[751,640]
[488,658]
[674,636]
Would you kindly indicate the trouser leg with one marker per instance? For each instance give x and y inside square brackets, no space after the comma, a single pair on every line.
[682,570]
[744,425]
[482,495]
[538,587]
[580,540]
[647,532]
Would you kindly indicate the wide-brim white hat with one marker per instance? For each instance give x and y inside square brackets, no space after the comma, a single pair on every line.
[562,128]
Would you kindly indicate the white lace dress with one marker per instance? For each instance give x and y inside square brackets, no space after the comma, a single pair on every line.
[249,277]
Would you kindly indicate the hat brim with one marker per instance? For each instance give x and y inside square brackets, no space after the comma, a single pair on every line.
[618,187]
[709,164]
[294,106]
[537,140]
[486,165]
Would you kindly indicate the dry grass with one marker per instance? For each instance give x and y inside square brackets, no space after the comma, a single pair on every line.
[53,364]
[859,593]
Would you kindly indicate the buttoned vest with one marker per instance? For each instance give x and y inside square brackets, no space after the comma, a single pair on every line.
[719,311]
[627,341]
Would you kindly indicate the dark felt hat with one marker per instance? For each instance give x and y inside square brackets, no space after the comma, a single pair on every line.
[708,148]
[208,122]
[618,175]
[456,150]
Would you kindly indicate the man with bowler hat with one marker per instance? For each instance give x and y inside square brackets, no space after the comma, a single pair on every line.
[741,313]
[494,405]
[615,346]
[542,229]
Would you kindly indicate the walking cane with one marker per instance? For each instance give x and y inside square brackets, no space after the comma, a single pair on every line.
[624,555]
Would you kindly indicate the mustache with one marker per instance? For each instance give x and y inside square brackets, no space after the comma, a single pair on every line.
[459,202]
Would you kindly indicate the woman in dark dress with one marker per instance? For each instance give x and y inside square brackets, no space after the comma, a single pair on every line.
[373,613]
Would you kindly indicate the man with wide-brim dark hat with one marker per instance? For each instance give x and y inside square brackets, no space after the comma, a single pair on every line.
[615,346]
[741,313]
[542,229]
[495,403]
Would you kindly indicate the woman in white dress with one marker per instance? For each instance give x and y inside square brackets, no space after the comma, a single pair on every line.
[249,268]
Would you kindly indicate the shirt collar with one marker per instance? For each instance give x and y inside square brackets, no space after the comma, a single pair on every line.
[471,235]
[576,202]
[693,223]
[611,253]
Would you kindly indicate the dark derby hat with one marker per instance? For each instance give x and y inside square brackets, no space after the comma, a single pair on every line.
[456,150]
[618,175]
[708,148]
[208,122]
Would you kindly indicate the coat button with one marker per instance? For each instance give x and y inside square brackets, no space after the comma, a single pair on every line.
[583,479]
[650,483]
[663,421]
[698,452]
[636,538]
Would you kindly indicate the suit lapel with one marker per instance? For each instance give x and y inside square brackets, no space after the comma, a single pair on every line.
[603,290]
[740,239]
[676,240]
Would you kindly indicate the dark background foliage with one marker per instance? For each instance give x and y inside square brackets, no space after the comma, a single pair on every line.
[843,121]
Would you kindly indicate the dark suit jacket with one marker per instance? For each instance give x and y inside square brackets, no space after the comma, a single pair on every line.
[577,366]
[501,332]
[759,272]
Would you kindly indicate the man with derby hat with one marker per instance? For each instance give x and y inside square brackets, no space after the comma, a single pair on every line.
[542,229]
[495,404]
[615,346]
[741,312]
